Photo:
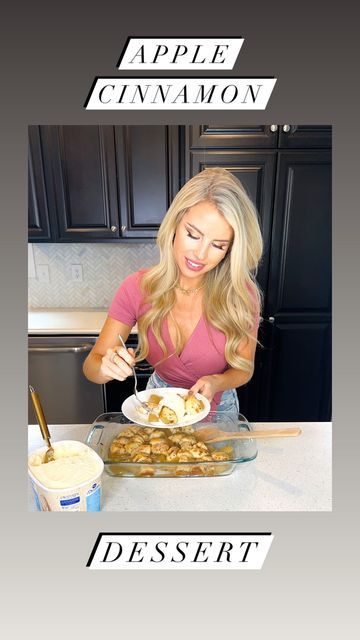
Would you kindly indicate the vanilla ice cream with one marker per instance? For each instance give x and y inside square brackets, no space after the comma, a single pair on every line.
[70,481]
[72,466]
[175,402]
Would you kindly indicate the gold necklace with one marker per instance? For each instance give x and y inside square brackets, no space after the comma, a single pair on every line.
[188,291]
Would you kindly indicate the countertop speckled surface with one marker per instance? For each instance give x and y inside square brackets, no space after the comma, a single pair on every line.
[289,474]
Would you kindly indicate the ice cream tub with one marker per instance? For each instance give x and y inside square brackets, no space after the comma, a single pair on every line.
[71,482]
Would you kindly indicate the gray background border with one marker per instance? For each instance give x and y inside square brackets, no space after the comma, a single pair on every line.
[51,55]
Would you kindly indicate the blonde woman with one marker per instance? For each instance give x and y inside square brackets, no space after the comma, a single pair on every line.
[197,310]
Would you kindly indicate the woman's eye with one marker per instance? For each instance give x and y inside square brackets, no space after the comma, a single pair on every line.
[217,246]
[191,236]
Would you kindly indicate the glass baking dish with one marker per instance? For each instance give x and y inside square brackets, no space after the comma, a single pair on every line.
[108,426]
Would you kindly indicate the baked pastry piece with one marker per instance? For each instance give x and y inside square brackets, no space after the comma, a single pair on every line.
[193,405]
[154,400]
[168,416]
[146,446]
[172,408]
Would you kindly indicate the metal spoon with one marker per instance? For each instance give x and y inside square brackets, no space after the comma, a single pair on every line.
[49,453]
[143,404]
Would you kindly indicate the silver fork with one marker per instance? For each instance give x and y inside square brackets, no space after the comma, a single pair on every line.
[143,404]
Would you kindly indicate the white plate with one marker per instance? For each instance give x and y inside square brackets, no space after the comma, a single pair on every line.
[129,406]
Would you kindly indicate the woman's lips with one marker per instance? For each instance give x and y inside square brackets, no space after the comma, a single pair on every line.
[194,266]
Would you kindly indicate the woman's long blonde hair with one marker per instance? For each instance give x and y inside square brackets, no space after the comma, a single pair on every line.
[230,290]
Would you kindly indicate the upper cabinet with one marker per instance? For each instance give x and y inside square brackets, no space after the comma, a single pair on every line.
[256,171]
[300,266]
[148,167]
[212,136]
[39,227]
[113,183]
[81,182]
[283,136]
[297,136]
[100,183]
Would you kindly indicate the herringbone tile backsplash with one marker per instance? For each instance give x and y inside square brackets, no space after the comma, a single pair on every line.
[104,267]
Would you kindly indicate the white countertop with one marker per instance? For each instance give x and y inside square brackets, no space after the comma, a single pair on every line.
[52,321]
[82,321]
[289,474]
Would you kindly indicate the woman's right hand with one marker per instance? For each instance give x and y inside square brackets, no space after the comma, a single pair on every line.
[117,363]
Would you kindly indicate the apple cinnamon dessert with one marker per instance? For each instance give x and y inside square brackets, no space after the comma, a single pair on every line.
[150,445]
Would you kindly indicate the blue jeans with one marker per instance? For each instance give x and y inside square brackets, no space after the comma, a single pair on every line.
[228,401]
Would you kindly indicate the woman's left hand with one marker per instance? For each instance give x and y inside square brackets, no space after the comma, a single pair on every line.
[206,386]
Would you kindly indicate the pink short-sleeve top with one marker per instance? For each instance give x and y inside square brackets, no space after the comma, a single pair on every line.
[203,354]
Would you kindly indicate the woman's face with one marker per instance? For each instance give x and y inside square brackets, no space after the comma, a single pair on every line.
[202,239]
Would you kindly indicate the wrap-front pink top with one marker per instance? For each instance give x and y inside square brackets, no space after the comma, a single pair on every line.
[203,354]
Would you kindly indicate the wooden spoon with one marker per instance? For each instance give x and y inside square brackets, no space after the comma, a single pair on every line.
[49,453]
[212,434]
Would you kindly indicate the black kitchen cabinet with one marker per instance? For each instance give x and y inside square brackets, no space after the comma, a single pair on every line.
[78,174]
[101,183]
[148,166]
[256,171]
[212,136]
[284,136]
[297,372]
[83,182]
[116,392]
[39,220]
[292,191]
[296,136]
[295,376]
[300,263]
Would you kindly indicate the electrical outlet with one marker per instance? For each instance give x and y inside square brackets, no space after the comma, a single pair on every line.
[76,272]
[43,272]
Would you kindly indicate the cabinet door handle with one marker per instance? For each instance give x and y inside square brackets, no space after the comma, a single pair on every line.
[286,128]
[123,228]
[79,349]
[113,228]
[273,127]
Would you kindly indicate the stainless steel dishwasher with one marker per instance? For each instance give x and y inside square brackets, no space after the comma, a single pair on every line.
[55,371]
